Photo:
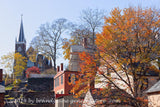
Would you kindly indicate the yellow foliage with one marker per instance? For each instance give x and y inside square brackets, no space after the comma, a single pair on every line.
[19,64]
[31,53]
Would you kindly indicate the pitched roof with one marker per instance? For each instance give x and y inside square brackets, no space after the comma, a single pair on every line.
[21,37]
[113,96]
[154,88]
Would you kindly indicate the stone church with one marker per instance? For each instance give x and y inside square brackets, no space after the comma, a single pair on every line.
[33,57]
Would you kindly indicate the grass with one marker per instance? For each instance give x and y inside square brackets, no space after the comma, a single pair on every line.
[9,87]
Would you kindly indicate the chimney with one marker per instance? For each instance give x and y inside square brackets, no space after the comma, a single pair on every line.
[1,75]
[57,68]
[61,66]
[84,42]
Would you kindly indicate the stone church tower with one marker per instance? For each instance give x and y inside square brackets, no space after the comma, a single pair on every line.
[20,43]
[20,46]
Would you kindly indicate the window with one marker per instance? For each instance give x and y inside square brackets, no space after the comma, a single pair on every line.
[61,92]
[69,78]
[72,78]
[62,79]
[57,82]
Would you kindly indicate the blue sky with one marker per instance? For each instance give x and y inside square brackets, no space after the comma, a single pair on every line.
[37,12]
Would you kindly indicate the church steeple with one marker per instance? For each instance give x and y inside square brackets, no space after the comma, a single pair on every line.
[20,44]
[21,37]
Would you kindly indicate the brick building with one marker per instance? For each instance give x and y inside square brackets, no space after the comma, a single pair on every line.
[2,89]
[62,80]
[63,86]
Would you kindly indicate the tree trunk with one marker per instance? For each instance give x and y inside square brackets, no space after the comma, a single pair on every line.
[54,60]
[93,37]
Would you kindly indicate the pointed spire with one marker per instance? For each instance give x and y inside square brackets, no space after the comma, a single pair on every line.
[16,40]
[21,37]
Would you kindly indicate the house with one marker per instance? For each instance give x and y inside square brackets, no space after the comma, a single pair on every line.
[63,79]
[154,95]
[63,86]
[91,99]
[2,89]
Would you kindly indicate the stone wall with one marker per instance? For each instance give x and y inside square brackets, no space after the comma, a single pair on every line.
[40,84]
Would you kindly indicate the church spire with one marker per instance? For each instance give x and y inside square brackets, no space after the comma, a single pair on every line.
[21,37]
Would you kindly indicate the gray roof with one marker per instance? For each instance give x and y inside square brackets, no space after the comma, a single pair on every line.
[113,96]
[2,89]
[154,88]
[21,37]
[41,76]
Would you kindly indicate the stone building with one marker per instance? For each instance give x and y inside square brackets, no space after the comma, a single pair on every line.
[74,54]
[34,58]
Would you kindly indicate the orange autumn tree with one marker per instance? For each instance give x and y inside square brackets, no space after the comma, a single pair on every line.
[128,52]
[86,75]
